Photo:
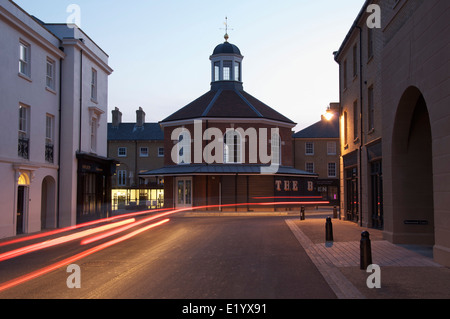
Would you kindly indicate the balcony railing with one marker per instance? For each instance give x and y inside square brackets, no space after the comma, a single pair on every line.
[49,153]
[24,147]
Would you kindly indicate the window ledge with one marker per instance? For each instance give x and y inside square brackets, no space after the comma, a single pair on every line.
[50,90]
[25,77]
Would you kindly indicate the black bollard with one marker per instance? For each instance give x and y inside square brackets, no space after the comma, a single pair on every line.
[366,250]
[329,230]
[302,213]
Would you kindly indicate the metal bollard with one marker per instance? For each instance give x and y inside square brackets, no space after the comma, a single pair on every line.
[366,250]
[302,213]
[328,230]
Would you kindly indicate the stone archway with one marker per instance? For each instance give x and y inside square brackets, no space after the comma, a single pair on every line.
[412,171]
[48,203]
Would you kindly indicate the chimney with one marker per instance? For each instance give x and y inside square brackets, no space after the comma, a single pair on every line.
[140,117]
[116,117]
[334,107]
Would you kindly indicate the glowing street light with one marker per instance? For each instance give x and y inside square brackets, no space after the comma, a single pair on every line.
[328,115]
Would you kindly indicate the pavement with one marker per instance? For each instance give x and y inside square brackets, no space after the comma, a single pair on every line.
[405,271]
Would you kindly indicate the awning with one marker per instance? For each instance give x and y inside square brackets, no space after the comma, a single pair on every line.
[225,169]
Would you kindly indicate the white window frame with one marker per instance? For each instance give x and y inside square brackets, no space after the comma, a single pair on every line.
[227,70]
[94,79]
[121,178]
[237,71]
[275,145]
[143,151]
[230,148]
[329,169]
[309,150]
[49,128]
[310,169]
[184,145]
[122,151]
[94,126]
[24,59]
[216,71]
[160,151]
[331,148]
[24,120]
[50,74]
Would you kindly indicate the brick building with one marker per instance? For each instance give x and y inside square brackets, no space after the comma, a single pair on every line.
[316,149]
[137,147]
[228,148]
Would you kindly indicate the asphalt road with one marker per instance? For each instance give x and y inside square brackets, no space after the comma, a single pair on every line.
[187,258]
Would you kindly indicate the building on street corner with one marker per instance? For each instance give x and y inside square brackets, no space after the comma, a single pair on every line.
[227,148]
[395,137]
[53,160]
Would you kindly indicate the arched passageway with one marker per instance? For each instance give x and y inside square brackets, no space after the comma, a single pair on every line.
[412,171]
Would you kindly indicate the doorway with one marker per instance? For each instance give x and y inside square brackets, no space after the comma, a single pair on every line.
[23,183]
[48,203]
[412,171]
[183,192]
[21,209]
[352,194]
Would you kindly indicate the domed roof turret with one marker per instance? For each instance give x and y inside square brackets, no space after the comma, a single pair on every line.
[226,48]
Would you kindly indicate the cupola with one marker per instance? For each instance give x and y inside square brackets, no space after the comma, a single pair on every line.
[226,67]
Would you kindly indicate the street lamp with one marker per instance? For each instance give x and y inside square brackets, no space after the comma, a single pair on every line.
[328,115]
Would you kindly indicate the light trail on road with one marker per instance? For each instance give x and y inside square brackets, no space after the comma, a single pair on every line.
[122,226]
[78,226]
[60,240]
[70,260]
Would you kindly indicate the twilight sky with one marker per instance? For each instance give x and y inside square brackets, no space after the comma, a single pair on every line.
[160,49]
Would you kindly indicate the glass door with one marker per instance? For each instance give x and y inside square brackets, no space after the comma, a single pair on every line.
[183,192]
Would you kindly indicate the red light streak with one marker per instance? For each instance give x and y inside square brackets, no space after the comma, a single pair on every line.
[97,248]
[69,228]
[67,261]
[123,228]
[60,240]
[294,197]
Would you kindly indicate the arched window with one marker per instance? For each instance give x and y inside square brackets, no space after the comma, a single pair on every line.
[232,147]
[184,148]
[276,149]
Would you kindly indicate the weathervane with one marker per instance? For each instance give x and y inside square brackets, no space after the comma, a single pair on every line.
[226,29]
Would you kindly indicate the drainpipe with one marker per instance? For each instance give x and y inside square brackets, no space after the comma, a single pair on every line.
[58,191]
[361,123]
[342,177]
[81,97]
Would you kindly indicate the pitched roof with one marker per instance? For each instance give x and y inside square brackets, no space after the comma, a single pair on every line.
[227,103]
[131,132]
[321,129]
